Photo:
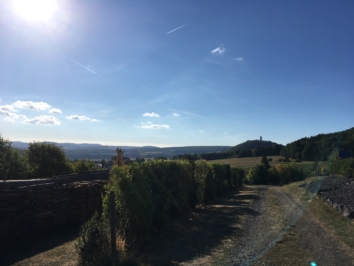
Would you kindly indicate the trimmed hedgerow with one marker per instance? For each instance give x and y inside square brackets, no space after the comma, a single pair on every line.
[149,194]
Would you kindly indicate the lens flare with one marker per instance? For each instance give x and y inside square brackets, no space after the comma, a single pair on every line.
[35,9]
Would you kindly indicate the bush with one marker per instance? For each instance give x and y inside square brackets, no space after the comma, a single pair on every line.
[237,177]
[273,176]
[82,166]
[289,173]
[205,187]
[133,199]
[257,175]
[93,244]
[343,167]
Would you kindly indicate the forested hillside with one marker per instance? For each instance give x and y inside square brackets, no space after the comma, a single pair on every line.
[317,148]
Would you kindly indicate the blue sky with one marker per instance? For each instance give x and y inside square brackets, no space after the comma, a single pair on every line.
[176,73]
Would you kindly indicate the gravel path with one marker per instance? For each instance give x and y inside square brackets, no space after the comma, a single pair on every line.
[262,231]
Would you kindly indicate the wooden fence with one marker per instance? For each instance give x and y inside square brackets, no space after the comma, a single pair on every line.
[29,207]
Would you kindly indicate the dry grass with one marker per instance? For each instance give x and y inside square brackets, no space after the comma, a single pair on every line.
[64,255]
[253,161]
[288,251]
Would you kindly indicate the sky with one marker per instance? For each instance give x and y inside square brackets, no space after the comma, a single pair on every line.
[175,73]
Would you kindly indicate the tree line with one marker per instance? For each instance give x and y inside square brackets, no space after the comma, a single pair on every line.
[40,160]
[318,148]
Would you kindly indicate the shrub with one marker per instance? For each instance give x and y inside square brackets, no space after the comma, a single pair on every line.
[83,165]
[289,173]
[133,200]
[93,244]
[204,181]
[343,167]
[220,182]
[257,175]
[237,177]
[273,176]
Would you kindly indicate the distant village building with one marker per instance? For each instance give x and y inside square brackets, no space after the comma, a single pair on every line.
[261,138]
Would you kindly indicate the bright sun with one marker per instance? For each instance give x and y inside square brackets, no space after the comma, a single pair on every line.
[35,9]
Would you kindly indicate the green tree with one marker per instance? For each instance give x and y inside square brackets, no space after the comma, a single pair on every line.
[265,162]
[12,164]
[47,160]
[83,165]
[120,154]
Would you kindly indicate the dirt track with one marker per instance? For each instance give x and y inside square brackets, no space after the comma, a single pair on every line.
[264,231]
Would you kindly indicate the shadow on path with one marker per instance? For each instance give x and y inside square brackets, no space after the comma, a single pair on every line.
[29,247]
[206,228]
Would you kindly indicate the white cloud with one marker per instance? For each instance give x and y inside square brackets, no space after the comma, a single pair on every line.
[239,59]
[81,118]
[201,131]
[6,113]
[10,111]
[150,125]
[151,115]
[7,107]
[37,106]
[9,119]
[219,50]
[175,114]
[42,120]
[55,111]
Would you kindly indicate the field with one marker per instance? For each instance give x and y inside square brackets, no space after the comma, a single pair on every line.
[253,161]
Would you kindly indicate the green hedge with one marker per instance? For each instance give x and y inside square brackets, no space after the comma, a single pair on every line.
[149,194]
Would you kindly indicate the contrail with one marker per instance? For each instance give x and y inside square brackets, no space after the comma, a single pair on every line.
[79,64]
[50,48]
[177,28]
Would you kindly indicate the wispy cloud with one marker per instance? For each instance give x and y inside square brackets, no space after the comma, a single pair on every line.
[201,131]
[42,120]
[150,125]
[81,118]
[151,115]
[37,106]
[219,50]
[239,59]
[175,114]
[177,28]
[55,111]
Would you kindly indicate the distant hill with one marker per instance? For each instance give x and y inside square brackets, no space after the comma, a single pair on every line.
[318,147]
[253,144]
[97,151]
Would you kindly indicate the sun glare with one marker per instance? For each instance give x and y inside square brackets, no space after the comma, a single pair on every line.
[35,9]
